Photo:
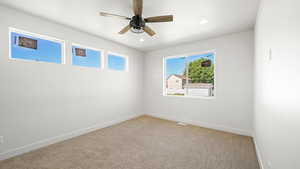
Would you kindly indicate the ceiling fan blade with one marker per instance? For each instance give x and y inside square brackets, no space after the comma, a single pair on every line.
[166,18]
[124,30]
[149,31]
[114,15]
[138,7]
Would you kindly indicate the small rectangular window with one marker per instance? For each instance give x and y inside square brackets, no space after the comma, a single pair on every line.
[191,75]
[30,46]
[117,62]
[86,56]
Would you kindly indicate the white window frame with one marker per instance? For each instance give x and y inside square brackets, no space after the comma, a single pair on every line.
[102,65]
[36,35]
[120,55]
[185,55]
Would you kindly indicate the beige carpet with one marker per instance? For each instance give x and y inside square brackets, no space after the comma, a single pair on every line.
[144,143]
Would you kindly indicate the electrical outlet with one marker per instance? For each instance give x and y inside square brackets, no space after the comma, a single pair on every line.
[1,139]
[181,124]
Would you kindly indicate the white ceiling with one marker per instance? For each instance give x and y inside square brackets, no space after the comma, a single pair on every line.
[224,16]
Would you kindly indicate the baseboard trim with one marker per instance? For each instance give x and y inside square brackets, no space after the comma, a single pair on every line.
[204,124]
[46,142]
[258,154]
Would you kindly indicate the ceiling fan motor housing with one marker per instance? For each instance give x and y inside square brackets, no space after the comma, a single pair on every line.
[137,22]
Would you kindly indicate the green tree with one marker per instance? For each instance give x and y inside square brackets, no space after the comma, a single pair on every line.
[199,74]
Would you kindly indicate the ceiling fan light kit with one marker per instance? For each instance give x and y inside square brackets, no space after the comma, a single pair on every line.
[137,24]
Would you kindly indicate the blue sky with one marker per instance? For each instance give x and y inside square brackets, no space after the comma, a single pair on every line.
[178,65]
[116,62]
[92,58]
[47,51]
[175,66]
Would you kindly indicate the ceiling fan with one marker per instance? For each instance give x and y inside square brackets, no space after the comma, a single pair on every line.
[137,24]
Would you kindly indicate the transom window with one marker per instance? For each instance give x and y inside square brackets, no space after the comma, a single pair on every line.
[30,46]
[191,75]
[117,62]
[86,56]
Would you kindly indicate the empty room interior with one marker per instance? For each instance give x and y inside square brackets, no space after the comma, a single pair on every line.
[149,84]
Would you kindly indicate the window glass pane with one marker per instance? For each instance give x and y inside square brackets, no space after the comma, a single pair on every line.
[116,62]
[201,75]
[42,50]
[86,57]
[175,76]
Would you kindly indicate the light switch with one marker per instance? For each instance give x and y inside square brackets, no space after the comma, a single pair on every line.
[270,55]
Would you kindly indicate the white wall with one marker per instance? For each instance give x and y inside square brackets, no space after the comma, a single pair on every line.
[41,101]
[232,109]
[277,84]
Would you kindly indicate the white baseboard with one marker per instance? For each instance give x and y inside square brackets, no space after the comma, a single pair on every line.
[204,124]
[258,153]
[49,141]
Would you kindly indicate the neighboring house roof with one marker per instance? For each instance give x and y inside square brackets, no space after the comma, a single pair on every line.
[183,77]
[199,85]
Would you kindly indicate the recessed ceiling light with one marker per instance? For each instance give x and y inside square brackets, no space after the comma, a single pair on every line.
[203,21]
[142,40]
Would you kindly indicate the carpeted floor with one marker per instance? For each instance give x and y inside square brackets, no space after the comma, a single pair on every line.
[144,143]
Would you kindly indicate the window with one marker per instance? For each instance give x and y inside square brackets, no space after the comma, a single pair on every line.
[191,75]
[117,62]
[85,56]
[30,46]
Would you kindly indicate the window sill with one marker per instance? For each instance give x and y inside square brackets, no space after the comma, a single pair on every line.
[192,97]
